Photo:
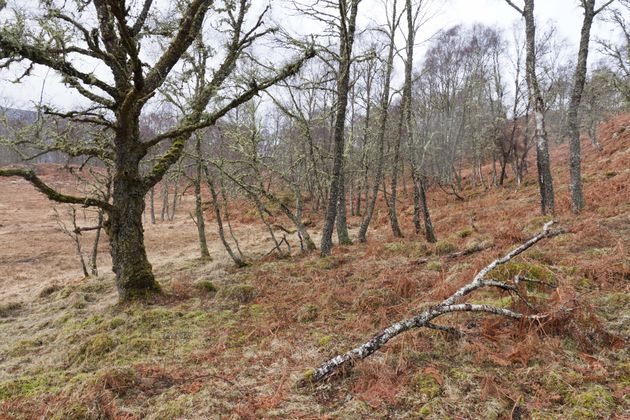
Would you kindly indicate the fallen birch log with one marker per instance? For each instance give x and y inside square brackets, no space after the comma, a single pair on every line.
[449,305]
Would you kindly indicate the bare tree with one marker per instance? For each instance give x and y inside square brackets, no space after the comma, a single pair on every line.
[56,37]
[577,196]
[347,26]
[545,181]
[393,20]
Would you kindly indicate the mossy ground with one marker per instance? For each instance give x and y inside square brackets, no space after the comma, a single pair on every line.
[233,342]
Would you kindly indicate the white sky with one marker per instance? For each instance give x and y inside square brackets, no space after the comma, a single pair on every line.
[565,14]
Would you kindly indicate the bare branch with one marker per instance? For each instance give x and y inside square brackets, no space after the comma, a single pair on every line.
[425,318]
[51,193]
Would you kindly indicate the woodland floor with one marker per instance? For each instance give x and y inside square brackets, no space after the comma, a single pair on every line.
[68,350]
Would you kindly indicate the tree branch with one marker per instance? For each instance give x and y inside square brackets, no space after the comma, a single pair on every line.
[515,7]
[51,193]
[425,318]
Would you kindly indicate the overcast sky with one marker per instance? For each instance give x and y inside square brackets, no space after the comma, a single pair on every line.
[565,14]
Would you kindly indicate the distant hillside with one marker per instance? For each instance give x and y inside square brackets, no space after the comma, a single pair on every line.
[14,114]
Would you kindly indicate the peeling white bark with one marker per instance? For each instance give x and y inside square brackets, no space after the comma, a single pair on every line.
[447,306]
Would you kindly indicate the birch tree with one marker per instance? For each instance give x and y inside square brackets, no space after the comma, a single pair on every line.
[543,161]
[577,196]
[347,26]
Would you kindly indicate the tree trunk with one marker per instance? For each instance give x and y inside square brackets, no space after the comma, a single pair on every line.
[416,203]
[134,275]
[393,216]
[384,108]
[165,208]
[545,181]
[152,204]
[217,212]
[201,224]
[577,196]
[343,86]
[428,225]
[342,225]
[175,195]
[97,239]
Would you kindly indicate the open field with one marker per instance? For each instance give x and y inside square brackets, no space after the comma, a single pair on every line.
[227,342]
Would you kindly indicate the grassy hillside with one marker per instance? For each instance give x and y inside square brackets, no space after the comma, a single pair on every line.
[226,342]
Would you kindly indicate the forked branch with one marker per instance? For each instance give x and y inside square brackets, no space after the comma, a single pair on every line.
[425,318]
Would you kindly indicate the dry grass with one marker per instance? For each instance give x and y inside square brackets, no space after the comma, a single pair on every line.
[68,351]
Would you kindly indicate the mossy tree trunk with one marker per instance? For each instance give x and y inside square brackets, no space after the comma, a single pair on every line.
[134,274]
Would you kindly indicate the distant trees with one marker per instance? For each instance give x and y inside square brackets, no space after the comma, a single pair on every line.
[339,132]
[618,52]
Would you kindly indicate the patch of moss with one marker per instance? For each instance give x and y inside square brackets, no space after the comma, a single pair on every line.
[92,321]
[256,310]
[425,411]
[308,313]
[67,291]
[325,341]
[594,402]
[140,345]
[97,287]
[502,302]
[434,265]
[426,386]
[460,375]
[242,293]
[395,247]
[31,385]
[9,308]
[100,344]
[197,315]
[24,347]
[508,271]
[610,174]
[155,317]
[584,283]
[445,248]
[464,233]
[116,322]
[309,375]
[206,286]
[559,382]
[476,245]
[328,263]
